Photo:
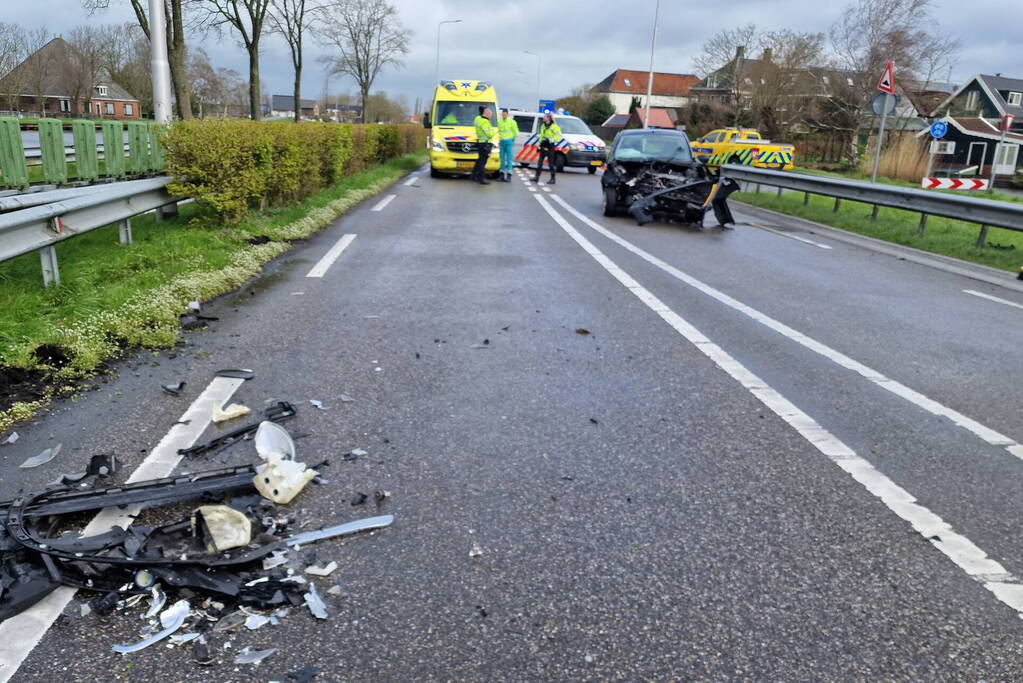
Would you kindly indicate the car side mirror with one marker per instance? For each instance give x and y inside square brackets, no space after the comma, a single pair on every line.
[426,120]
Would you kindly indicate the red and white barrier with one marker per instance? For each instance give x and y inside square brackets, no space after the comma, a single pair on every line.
[954,183]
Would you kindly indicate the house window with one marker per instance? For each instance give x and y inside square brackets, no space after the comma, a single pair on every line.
[1015,98]
[749,81]
[65,105]
[972,100]
[826,80]
[101,90]
[849,81]
[99,107]
[110,107]
[129,110]
[628,83]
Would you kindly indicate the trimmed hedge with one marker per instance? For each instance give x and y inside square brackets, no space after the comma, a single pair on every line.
[231,166]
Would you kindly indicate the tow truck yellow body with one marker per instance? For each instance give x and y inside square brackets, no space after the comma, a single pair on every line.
[742,146]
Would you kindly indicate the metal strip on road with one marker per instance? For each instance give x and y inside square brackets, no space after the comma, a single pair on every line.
[20,634]
[324,264]
[985,433]
[992,298]
[384,202]
[792,237]
[958,548]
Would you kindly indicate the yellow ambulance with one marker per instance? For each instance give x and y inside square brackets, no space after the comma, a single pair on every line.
[452,137]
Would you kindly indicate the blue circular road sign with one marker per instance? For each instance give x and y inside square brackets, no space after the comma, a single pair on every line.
[939,129]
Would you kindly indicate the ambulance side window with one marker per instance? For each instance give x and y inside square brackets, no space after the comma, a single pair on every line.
[525,123]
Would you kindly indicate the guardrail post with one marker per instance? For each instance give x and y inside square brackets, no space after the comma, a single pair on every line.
[167,211]
[12,153]
[838,203]
[51,273]
[806,198]
[982,237]
[125,230]
[51,144]
[873,213]
[86,160]
[923,225]
[757,191]
[779,192]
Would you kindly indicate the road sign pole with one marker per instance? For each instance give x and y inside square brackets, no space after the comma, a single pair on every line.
[994,159]
[930,162]
[880,138]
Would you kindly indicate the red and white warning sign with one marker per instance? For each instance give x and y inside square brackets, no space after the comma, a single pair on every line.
[954,183]
[887,82]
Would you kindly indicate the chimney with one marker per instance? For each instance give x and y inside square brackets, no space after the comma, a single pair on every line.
[740,53]
[768,55]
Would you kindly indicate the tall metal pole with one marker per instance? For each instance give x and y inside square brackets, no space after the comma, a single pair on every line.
[994,159]
[537,76]
[880,138]
[436,68]
[158,62]
[650,77]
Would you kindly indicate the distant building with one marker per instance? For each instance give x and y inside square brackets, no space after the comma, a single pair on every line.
[46,85]
[345,113]
[659,118]
[284,105]
[669,90]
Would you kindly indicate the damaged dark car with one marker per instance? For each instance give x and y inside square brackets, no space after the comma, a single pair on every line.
[651,173]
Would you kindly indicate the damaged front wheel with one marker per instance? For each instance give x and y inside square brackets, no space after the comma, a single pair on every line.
[610,202]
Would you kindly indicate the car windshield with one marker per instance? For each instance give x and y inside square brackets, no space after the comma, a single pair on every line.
[459,113]
[572,126]
[653,148]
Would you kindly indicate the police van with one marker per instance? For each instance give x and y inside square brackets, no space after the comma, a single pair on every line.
[578,146]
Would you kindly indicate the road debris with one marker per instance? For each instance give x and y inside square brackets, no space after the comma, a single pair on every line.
[236,373]
[13,436]
[316,570]
[41,459]
[359,498]
[254,657]
[304,675]
[276,413]
[173,389]
[231,412]
[256,621]
[280,480]
[315,604]
[345,398]
[334,590]
[221,528]
[171,619]
[317,404]
[475,550]
[582,331]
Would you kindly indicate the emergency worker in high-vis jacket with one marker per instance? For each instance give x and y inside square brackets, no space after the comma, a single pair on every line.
[507,130]
[485,133]
[550,134]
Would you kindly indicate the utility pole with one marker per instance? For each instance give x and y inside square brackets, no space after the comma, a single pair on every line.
[158,62]
[650,76]
[537,76]
[1004,125]
[436,68]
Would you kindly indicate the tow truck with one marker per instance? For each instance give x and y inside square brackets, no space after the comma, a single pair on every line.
[742,146]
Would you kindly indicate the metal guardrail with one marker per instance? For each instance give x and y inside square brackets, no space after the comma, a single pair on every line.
[985,212]
[40,228]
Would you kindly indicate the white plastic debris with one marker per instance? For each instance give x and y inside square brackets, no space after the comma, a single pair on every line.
[14,437]
[221,527]
[256,621]
[157,603]
[250,656]
[182,638]
[475,550]
[171,619]
[43,458]
[317,404]
[315,603]
[345,398]
[229,413]
[194,306]
[280,480]
[334,590]
[359,452]
[276,559]
[316,570]
[273,438]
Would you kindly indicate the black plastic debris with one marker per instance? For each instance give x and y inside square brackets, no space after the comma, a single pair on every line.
[201,652]
[236,373]
[173,389]
[279,412]
[582,331]
[359,499]
[305,674]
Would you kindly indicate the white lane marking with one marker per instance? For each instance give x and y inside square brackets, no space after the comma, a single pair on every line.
[321,267]
[411,180]
[532,189]
[21,633]
[546,189]
[982,295]
[961,550]
[790,236]
[984,432]
[384,202]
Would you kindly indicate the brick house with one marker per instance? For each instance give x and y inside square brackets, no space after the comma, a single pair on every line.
[669,90]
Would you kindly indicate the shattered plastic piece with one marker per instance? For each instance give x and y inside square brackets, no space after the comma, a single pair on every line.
[334,590]
[276,559]
[475,550]
[359,499]
[345,398]
[14,435]
[340,530]
[229,413]
[273,438]
[256,621]
[317,404]
[582,330]
[173,389]
[159,599]
[276,413]
[171,619]
[194,306]
[280,480]
[231,621]
[182,638]
[358,452]
[304,675]
[315,603]
[201,652]
[106,604]
[316,570]
[236,373]
[221,528]
[250,656]
[381,496]
[43,458]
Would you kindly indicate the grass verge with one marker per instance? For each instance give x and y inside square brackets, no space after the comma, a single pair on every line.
[944,236]
[114,297]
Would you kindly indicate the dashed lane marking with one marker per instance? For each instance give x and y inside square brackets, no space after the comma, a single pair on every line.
[982,295]
[21,633]
[958,548]
[411,181]
[985,433]
[384,202]
[324,264]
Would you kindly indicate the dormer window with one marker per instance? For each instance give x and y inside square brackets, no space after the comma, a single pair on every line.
[1015,99]
[628,83]
[101,90]
[972,100]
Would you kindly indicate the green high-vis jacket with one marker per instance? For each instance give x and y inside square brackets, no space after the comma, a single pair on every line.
[484,129]
[507,128]
[552,133]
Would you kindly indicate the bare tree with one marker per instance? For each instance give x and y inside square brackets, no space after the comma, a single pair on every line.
[82,60]
[247,18]
[775,83]
[13,41]
[125,60]
[368,37]
[38,66]
[176,51]
[292,19]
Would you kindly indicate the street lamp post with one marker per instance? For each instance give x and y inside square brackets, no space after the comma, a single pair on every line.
[650,76]
[538,61]
[158,62]
[436,69]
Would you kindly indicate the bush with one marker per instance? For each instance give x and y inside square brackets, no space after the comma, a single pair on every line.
[230,167]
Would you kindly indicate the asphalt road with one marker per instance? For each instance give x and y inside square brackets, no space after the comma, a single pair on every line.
[775,456]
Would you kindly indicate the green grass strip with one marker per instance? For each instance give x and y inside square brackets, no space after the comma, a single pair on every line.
[114,297]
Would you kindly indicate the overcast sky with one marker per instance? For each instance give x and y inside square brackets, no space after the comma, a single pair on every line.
[581,41]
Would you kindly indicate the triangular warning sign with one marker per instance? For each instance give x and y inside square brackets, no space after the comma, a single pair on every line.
[887,82]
